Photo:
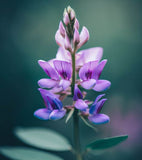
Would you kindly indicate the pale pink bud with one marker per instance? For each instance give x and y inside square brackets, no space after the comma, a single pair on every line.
[66,18]
[76,38]
[62,29]
[84,37]
[72,14]
[59,39]
[76,24]
[67,43]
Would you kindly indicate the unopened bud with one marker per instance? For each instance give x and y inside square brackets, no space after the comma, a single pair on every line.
[62,29]
[67,44]
[76,38]
[66,18]
[76,24]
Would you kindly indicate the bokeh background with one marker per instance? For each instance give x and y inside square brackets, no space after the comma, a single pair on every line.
[27,30]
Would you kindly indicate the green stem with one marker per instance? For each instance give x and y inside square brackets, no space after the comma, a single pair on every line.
[75,115]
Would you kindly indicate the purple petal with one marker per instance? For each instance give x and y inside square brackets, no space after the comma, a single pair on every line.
[87,55]
[63,68]
[63,55]
[98,98]
[97,72]
[80,104]
[88,84]
[77,93]
[62,29]
[86,71]
[57,114]
[102,85]
[50,71]
[42,114]
[64,84]
[59,39]
[47,83]
[84,37]
[96,107]
[99,119]
[56,90]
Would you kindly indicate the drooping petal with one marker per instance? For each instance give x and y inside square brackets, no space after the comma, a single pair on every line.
[57,114]
[86,71]
[42,114]
[84,37]
[63,55]
[64,83]
[77,93]
[96,107]
[102,85]
[50,71]
[80,104]
[99,118]
[47,83]
[98,70]
[87,55]
[59,38]
[63,68]
[88,84]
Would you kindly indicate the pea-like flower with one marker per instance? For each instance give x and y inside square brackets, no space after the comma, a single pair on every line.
[94,112]
[90,74]
[59,69]
[54,108]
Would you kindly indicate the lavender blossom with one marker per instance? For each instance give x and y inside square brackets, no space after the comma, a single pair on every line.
[54,107]
[94,112]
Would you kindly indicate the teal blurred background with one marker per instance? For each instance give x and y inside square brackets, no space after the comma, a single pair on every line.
[27,30]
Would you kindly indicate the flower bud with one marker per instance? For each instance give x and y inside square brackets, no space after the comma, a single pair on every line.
[67,43]
[62,29]
[76,38]
[66,18]
[76,24]
[84,37]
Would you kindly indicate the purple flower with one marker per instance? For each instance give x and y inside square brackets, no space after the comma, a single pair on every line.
[54,108]
[94,112]
[82,57]
[61,68]
[78,97]
[90,74]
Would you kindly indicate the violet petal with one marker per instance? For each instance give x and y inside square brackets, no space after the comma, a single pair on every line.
[64,84]
[102,85]
[63,55]
[87,55]
[63,68]
[81,105]
[88,84]
[49,70]
[77,93]
[97,72]
[42,114]
[57,114]
[99,119]
[47,83]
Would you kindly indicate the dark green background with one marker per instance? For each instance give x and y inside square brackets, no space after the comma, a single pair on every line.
[27,30]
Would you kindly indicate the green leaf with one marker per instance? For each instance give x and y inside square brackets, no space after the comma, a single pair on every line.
[106,142]
[43,138]
[24,153]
